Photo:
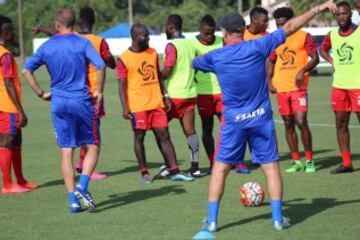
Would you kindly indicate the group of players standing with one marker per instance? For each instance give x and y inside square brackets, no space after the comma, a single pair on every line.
[151,97]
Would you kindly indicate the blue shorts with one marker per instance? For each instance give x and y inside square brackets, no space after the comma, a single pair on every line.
[262,141]
[75,121]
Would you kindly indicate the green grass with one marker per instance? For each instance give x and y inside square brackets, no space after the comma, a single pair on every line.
[321,206]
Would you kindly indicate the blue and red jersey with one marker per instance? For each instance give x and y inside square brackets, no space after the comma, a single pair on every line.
[241,72]
[67,80]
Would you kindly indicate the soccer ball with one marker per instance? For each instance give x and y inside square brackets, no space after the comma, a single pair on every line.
[252,194]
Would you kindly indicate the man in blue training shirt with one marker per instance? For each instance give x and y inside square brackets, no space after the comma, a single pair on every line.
[240,69]
[66,56]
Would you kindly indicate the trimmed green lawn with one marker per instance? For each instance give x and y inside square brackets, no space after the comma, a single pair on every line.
[320,205]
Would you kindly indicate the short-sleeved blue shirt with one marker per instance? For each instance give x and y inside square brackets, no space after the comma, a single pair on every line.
[241,71]
[66,57]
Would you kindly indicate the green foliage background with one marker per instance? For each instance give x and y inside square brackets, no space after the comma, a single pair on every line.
[151,12]
[110,12]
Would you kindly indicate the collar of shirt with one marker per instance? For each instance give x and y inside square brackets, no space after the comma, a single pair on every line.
[235,42]
[179,35]
[349,31]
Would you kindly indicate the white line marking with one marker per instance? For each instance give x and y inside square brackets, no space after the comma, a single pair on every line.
[318,124]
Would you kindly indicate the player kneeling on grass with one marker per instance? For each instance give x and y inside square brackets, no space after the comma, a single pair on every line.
[288,73]
[142,96]
[240,68]
[66,56]
[12,115]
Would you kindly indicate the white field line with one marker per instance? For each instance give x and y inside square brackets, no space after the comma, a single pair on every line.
[317,124]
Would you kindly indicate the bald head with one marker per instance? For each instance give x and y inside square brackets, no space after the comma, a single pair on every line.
[138,29]
[140,37]
[66,18]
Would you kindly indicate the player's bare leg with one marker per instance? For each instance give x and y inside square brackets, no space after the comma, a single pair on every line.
[302,124]
[217,181]
[343,138]
[67,167]
[290,133]
[166,147]
[292,141]
[188,125]
[306,139]
[215,192]
[139,149]
[207,124]
[273,179]
[91,159]
[79,165]
[274,184]
[168,152]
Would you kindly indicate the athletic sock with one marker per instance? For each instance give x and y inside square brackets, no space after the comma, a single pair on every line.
[143,171]
[295,156]
[309,155]
[72,198]
[240,165]
[17,165]
[84,181]
[5,166]
[194,166]
[213,210]
[276,208]
[346,157]
[174,170]
[193,143]
[211,159]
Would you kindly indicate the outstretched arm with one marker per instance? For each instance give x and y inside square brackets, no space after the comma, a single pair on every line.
[298,22]
[47,30]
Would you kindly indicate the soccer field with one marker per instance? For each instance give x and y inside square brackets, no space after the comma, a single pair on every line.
[320,206]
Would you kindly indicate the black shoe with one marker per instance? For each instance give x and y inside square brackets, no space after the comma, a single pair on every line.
[163,173]
[342,169]
[255,165]
[194,170]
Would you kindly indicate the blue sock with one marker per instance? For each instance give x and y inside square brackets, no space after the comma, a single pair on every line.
[84,181]
[213,209]
[72,197]
[276,214]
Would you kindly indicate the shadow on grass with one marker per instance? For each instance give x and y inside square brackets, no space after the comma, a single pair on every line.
[135,168]
[129,169]
[297,212]
[118,200]
[327,162]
